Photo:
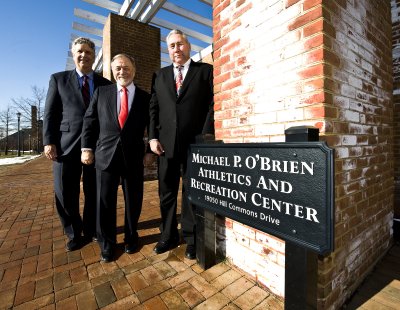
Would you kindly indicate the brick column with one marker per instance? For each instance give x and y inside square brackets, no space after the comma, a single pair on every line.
[142,41]
[396,101]
[327,64]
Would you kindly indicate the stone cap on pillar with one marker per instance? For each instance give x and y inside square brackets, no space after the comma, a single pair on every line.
[302,133]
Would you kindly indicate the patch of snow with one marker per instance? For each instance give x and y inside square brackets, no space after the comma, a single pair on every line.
[17,160]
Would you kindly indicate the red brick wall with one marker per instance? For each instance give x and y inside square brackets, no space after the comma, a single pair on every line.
[363,136]
[142,41]
[396,101]
[327,64]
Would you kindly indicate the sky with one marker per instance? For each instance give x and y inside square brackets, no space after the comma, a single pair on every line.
[35,42]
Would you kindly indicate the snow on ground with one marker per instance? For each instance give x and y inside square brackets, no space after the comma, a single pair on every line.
[17,160]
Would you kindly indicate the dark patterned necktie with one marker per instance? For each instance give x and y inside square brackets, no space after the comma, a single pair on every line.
[85,90]
[179,80]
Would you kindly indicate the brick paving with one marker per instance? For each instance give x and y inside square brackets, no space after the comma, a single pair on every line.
[37,273]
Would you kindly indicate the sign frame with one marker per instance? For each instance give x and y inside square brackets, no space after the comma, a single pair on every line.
[325,243]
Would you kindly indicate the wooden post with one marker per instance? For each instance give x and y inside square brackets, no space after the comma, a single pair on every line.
[300,264]
[205,226]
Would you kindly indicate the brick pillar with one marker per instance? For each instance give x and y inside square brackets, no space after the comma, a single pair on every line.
[396,102]
[142,41]
[326,64]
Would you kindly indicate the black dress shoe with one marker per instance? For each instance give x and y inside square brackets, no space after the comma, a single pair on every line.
[190,252]
[106,256]
[164,246]
[73,244]
[131,248]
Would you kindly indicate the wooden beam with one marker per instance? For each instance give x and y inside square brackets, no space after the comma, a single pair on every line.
[109,5]
[164,50]
[151,10]
[209,2]
[195,34]
[187,14]
[93,17]
[139,8]
[70,64]
[87,29]
[125,8]
[70,61]
[203,53]
[165,59]
[98,62]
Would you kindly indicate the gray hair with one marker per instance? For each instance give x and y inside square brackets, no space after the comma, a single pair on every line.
[132,60]
[82,40]
[177,31]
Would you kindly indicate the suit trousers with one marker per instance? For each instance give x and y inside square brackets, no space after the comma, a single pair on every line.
[67,173]
[169,173]
[131,179]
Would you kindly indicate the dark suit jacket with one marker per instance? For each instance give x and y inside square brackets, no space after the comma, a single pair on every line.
[64,110]
[181,119]
[101,130]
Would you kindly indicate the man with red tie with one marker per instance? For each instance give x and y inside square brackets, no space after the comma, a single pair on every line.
[181,108]
[67,99]
[112,138]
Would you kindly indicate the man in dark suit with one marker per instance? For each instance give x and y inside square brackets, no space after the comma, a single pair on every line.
[114,127]
[181,108]
[67,99]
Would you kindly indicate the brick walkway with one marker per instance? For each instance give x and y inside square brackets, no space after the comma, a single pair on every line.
[37,273]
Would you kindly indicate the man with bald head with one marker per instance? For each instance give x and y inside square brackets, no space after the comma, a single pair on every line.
[112,137]
[67,99]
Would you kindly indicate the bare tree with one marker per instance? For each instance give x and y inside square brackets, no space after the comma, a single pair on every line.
[2,138]
[32,110]
[5,120]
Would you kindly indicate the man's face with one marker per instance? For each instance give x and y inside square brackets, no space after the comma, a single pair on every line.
[178,49]
[123,70]
[83,57]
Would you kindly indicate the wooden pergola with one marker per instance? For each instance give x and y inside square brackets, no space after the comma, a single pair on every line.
[194,17]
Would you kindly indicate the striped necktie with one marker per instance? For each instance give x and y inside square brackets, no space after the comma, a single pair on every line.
[179,80]
[85,90]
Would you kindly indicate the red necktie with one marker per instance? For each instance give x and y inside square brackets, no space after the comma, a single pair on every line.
[85,90]
[123,113]
[179,80]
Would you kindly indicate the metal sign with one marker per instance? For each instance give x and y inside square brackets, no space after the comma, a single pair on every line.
[284,189]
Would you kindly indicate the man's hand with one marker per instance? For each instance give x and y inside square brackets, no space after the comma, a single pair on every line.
[87,157]
[50,151]
[156,147]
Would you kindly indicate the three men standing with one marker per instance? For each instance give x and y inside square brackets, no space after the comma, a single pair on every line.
[66,102]
[181,108]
